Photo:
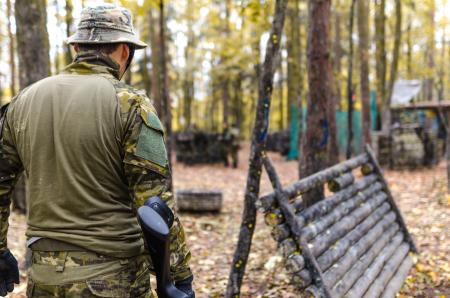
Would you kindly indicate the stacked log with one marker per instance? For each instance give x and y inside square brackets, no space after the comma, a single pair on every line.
[351,244]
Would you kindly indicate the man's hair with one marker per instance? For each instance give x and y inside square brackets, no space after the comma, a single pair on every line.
[104,48]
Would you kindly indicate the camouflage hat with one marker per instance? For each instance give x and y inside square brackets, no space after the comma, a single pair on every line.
[106,23]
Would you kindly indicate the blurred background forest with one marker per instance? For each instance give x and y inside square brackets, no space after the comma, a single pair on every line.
[203,70]
[214,51]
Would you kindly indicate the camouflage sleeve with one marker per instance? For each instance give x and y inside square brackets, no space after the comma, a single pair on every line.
[146,168]
[10,167]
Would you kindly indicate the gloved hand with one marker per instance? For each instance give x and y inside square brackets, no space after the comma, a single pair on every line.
[185,285]
[9,272]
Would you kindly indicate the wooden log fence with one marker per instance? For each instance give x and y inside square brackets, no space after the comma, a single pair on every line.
[354,243]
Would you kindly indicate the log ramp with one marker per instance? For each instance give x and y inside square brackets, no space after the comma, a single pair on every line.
[354,243]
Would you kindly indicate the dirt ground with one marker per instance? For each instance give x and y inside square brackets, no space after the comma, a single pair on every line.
[420,195]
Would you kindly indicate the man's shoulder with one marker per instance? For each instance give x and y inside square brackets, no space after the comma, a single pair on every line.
[130,97]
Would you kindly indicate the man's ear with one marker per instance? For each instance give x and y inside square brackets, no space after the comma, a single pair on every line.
[125,52]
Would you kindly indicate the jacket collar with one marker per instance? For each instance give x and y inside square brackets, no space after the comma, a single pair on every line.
[89,62]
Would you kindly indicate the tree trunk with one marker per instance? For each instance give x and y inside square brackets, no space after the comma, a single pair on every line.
[294,67]
[69,24]
[337,57]
[363,33]
[12,62]
[259,136]
[146,79]
[430,49]
[156,63]
[315,149]
[380,54]
[56,62]
[394,65]
[280,93]
[165,98]
[224,61]
[409,73]
[350,83]
[33,52]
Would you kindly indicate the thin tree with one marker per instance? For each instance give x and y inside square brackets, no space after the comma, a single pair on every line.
[259,136]
[350,82]
[430,50]
[294,62]
[394,64]
[189,72]
[224,61]
[380,54]
[34,61]
[156,64]
[315,150]
[69,24]
[363,33]
[12,62]
[165,98]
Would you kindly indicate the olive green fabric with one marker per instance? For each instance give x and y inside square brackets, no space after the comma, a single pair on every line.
[85,274]
[77,136]
[68,132]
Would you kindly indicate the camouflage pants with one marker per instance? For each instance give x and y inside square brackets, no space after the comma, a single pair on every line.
[86,274]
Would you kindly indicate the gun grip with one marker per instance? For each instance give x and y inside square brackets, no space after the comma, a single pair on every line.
[156,234]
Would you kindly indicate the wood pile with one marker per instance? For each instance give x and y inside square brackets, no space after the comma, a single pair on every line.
[354,243]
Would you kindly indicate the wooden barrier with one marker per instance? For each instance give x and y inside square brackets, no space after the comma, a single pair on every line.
[354,243]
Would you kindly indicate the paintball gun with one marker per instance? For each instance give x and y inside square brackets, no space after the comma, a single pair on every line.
[156,218]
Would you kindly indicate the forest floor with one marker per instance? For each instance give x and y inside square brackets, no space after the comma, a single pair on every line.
[420,194]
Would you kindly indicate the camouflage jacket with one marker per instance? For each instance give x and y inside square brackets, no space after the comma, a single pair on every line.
[92,153]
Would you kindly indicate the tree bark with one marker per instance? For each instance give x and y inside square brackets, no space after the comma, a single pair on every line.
[259,136]
[315,148]
[12,61]
[69,24]
[363,33]
[350,83]
[380,54]
[32,41]
[430,49]
[293,47]
[409,72]
[156,63]
[34,61]
[188,84]
[146,79]
[224,61]
[394,65]
[165,98]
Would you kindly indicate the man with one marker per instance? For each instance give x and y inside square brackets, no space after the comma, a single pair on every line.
[92,148]
[230,144]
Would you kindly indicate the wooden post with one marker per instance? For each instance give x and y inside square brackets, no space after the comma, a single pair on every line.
[289,213]
[259,136]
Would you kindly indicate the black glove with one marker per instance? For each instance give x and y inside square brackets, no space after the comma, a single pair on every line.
[185,285]
[9,272]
